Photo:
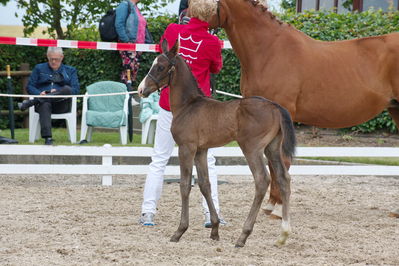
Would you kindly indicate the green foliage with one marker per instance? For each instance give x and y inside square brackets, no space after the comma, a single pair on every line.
[87,34]
[149,8]
[288,4]
[381,122]
[15,55]
[228,80]
[348,4]
[74,14]
[330,26]
[94,65]
[157,25]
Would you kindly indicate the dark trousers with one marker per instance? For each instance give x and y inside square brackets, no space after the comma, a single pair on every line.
[47,106]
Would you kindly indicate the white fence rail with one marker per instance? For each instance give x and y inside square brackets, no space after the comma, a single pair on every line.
[108,169]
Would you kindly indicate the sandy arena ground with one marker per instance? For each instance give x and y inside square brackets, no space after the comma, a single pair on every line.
[73,220]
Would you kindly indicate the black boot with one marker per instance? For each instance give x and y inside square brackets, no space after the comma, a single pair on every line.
[48,141]
[26,104]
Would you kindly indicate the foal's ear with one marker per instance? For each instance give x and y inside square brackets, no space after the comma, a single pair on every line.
[175,48]
[164,46]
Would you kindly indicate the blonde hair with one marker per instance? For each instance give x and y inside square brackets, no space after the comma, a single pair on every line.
[202,9]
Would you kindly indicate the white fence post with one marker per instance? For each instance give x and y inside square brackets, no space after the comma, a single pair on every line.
[107,161]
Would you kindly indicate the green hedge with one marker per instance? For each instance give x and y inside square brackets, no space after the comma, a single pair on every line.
[95,65]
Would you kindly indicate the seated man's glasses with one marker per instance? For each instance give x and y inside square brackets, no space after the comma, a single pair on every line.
[54,59]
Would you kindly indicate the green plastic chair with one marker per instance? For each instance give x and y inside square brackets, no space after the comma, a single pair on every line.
[105,111]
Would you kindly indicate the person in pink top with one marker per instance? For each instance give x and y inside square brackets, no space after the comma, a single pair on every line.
[131,27]
[202,52]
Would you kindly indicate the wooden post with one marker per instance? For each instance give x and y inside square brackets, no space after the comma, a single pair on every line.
[358,5]
[24,81]
[299,6]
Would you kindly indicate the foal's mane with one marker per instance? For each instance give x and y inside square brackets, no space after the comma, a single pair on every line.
[192,78]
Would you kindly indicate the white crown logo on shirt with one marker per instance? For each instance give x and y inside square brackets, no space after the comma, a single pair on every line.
[189,43]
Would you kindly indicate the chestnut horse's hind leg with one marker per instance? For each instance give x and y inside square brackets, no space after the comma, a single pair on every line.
[262,180]
[274,204]
[186,158]
[201,162]
[274,197]
[394,112]
[273,153]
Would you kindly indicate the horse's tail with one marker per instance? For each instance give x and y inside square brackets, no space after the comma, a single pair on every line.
[287,127]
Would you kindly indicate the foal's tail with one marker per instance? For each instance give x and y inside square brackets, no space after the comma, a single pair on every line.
[287,127]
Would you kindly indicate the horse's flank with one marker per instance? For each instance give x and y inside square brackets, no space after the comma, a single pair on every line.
[206,116]
[326,84]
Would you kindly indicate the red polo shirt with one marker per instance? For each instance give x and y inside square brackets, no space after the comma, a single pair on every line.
[200,49]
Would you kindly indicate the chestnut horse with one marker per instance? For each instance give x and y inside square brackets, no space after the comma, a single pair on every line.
[325,84]
[260,127]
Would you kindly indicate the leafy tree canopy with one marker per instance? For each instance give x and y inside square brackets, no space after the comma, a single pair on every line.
[72,13]
[288,4]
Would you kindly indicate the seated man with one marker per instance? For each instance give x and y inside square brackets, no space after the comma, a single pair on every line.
[52,78]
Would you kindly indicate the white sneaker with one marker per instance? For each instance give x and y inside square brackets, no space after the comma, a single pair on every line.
[208,223]
[147,219]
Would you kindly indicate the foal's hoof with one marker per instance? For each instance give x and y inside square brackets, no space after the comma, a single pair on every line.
[239,245]
[282,239]
[394,214]
[216,238]
[215,233]
[174,239]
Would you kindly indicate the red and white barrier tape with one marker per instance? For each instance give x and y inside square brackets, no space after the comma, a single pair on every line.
[139,47]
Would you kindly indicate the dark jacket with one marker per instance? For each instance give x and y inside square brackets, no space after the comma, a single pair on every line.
[44,78]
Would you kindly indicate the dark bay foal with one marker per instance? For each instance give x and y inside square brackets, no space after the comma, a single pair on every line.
[260,127]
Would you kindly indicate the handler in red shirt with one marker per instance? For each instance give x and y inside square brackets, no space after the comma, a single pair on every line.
[202,52]
[200,49]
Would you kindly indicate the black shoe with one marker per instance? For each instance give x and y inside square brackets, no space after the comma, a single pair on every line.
[4,140]
[26,104]
[48,141]
[83,141]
